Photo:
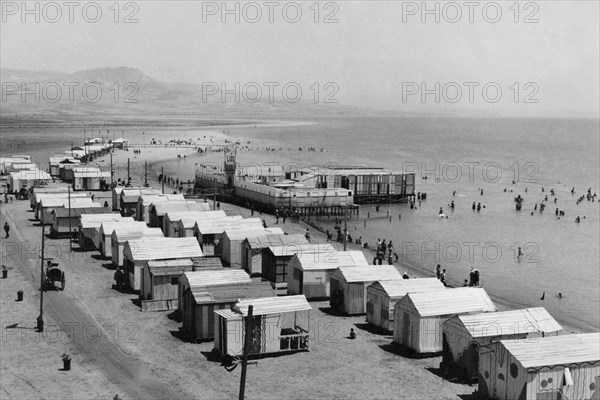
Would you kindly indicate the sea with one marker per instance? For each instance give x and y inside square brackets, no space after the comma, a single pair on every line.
[465,160]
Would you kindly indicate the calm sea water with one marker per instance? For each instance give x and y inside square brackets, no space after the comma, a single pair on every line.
[457,155]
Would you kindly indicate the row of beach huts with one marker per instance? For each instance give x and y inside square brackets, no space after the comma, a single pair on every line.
[209,267]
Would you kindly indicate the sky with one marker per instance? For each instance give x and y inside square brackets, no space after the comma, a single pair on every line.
[509,58]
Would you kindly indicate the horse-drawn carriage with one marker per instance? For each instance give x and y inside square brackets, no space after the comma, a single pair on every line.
[52,276]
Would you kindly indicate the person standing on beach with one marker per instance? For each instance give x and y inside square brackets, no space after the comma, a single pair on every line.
[438,271]
[6,229]
[443,277]
[307,235]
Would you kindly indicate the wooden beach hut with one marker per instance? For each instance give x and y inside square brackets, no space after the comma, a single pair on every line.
[160,283]
[158,210]
[231,244]
[173,211]
[106,230]
[276,259]
[49,205]
[252,249]
[129,199]
[209,233]
[90,178]
[89,228]
[138,252]
[121,235]
[201,302]
[54,196]
[28,178]
[206,263]
[171,226]
[65,221]
[116,197]
[382,297]
[310,273]
[348,286]
[210,277]
[36,192]
[146,200]
[464,335]
[557,367]
[418,317]
[280,324]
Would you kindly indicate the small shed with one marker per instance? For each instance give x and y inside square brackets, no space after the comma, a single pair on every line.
[158,210]
[37,191]
[129,199]
[210,232]
[200,303]
[89,178]
[310,274]
[348,286]
[28,179]
[89,228]
[116,197]
[205,277]
[145,201]
[170,219]
[49,205]
[39,197]
[138,252]
[276,259]
[231,244]
[464,335]
[65,221]
[382,297]
[106,230]
[252,249]
[121,235]
[279,324]
[557,367]
[173,211]
[418,317]
[160,283]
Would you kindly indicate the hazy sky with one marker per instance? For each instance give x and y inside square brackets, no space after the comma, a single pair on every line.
[378,53]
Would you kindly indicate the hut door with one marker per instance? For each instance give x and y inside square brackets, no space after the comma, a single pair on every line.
[256,335]
[300,281]
[405,329]
[472,364]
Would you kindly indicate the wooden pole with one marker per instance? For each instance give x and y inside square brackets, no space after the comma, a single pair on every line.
[215,195]
[40,319]
[111,169]
[162,173]
[128,176]
[146,173]
[345,226]
[70,234]
[247,337]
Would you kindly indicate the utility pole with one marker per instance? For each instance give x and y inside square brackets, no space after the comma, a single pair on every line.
[71,149]
[146,173]
[111,168]
[247,337]
[345,226]
[40,319]
[128,176]
[70,233]
[162,180]
[215,195]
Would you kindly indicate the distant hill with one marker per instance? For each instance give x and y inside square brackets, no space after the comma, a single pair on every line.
[125,93]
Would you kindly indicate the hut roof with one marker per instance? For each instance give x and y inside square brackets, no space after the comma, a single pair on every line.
[368,273]
[163,208]
[162,248]
[95,220]
[130,195]
[30,174]
[123,234]
[274,239]
[290,250]
[169,267]
[108,227]
[399,288]
[211,227]
[232,293]
[151,198]
[334,259]
[207,262]
[527,320]
[64,202]
[77,212]
[451,301]
[216,277]
[556,350]
[241,234]
[90,172]
[189,218]
[273,305]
